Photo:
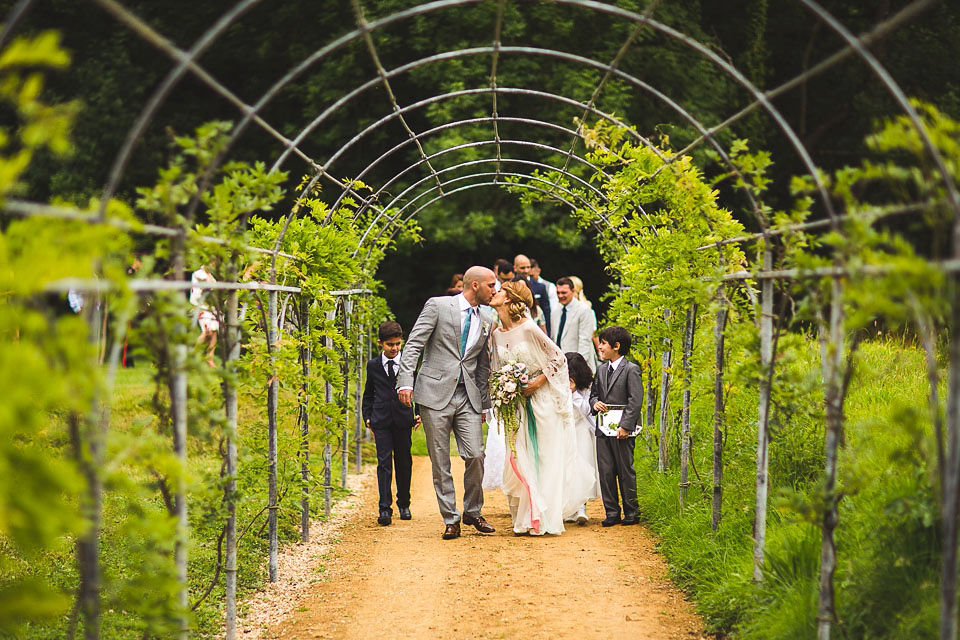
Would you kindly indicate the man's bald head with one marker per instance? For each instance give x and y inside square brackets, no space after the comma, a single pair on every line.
[479,285]
[521,264]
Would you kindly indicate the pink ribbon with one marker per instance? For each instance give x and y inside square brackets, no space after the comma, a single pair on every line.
[533,507]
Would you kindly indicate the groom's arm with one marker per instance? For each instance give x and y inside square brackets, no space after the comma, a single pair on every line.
[419,335]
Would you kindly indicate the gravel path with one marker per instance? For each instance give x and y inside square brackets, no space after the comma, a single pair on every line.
[404,581]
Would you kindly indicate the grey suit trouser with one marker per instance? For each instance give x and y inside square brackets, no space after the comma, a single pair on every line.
[616,470]
[458,416]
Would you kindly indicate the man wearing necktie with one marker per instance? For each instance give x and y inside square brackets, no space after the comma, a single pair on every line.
[574,324]
[391,423]
[452,389]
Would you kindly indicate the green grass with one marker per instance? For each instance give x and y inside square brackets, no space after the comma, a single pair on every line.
[888,535]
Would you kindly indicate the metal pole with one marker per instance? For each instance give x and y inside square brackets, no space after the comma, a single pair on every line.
[665,400]
[306,356]
[718,412]
[763,435]
[178,400]
[230,489]
[345,439]
[272,401]
[690,330]
[651,397]
[90,460]
[327,448]
[357,395]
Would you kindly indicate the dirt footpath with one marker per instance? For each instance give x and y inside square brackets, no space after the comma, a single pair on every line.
[404,581]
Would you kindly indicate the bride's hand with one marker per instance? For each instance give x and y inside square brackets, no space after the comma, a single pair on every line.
[535,384]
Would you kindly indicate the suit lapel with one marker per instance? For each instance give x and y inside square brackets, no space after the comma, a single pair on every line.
[604,373]
[453,317]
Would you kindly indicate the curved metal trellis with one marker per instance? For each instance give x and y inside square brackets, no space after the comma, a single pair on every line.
[413,197]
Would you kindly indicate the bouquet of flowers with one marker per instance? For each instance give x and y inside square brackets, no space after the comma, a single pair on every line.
[505,392]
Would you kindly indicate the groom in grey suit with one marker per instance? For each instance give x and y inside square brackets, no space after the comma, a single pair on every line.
[452,389]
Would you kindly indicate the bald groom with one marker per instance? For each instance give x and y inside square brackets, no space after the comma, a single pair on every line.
[452,389]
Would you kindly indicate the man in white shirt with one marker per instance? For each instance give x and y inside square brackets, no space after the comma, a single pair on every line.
[573,324]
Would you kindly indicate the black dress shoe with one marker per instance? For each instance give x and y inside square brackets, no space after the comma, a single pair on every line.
[627,521]
[609,522]
[478,523]
[385,517]
[452,531]
[405,513]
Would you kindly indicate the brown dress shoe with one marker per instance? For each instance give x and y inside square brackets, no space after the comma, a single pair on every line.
[452,531]
[478,523]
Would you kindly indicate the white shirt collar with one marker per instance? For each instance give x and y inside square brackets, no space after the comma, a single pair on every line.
[615,363]
[384,359]
[464,304]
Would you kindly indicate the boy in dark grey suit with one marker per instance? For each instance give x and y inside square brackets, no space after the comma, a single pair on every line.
[391,423]
[617,382]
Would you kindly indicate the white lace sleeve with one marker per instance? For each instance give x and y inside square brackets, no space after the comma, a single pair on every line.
[553,364]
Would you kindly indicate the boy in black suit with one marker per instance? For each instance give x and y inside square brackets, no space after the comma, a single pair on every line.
[391,423]
[617,382]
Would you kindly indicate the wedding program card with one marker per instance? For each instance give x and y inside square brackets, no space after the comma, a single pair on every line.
[608,421]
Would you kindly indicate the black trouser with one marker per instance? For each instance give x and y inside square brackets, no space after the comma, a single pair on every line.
[393,448]
[615,467]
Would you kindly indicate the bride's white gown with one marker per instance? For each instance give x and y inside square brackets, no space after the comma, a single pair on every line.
[546,481]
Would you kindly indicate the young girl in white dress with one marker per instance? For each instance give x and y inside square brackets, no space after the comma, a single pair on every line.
[585,439]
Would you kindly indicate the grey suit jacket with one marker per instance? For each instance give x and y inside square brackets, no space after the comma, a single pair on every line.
[577,330]
[436,334]
[623,386]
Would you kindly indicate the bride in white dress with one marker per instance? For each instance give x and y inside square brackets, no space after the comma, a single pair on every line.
[544,481]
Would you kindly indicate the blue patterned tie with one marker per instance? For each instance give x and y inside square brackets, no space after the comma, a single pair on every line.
[466,331]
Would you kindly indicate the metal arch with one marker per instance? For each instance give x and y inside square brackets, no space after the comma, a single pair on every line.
[532,163]
[410,66]
[382,73]
[188,62]
[486,174]
[497,160]
[898,95]
[550,53]
[867,39]
[422,9]
[495,174]
[467,92]
[527,92]
[374,163]
[460,147]
[664,29]
[497,30]
[693,121]
[522,185]
[707,53]
[610,68]
[14,16]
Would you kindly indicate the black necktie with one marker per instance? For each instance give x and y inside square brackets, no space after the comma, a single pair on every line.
[390,372]
[563,321]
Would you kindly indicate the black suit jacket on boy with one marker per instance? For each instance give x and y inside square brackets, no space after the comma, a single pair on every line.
[381,406]
[624,386]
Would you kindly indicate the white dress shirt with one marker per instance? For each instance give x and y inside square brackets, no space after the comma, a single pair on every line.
[615,363]
[396,363]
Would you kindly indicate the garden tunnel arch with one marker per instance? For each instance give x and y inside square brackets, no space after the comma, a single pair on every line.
[421,184]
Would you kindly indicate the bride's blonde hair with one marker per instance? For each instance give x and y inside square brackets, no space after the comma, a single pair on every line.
[519,296]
